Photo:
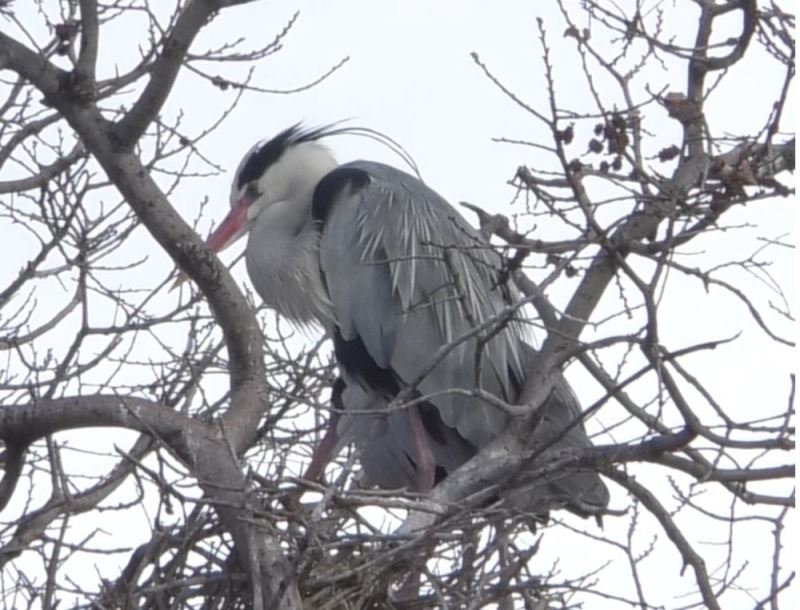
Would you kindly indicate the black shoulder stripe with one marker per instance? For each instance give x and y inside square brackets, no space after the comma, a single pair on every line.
[354,358]
[331,185]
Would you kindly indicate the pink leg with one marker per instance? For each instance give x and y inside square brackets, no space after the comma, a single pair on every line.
[426,477]
[426,465]
[324,451]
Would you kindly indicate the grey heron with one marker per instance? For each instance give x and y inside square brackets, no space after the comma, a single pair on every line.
[416,302]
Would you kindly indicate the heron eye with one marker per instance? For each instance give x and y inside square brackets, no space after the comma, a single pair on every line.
[251,189]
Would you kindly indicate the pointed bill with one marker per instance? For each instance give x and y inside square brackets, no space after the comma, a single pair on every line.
[232,228]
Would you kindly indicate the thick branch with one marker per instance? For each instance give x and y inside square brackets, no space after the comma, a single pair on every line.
[507,457]
[23,424]
[749,19]
[166,68]
[87,59]
[215,457]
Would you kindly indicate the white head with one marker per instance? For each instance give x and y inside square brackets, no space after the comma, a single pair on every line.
[283,170]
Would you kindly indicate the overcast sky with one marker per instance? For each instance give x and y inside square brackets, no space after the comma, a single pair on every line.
[410,75]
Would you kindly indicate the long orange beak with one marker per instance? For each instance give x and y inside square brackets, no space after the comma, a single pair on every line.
[232,228]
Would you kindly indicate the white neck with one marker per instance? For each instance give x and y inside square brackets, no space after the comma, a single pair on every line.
[283,248]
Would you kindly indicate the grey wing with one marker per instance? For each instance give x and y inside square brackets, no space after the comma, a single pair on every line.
[385,442]
[383,460]
[408,275]
[581,492]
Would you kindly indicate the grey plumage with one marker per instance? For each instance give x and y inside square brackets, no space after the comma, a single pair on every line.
[395,274]
[384,443]
[391,253]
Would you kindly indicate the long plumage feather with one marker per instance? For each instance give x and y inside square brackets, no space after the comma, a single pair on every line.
[441,278]
[396,274]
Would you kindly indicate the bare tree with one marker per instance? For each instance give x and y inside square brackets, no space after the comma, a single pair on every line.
[638,179]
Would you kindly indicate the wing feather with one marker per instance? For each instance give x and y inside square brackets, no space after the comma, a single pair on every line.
[407,274]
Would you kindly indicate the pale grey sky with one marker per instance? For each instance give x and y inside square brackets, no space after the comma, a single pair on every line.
[411,76]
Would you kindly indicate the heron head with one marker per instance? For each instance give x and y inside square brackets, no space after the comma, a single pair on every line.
[286,168]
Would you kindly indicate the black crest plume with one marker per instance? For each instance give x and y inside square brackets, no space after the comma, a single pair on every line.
[264,155]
